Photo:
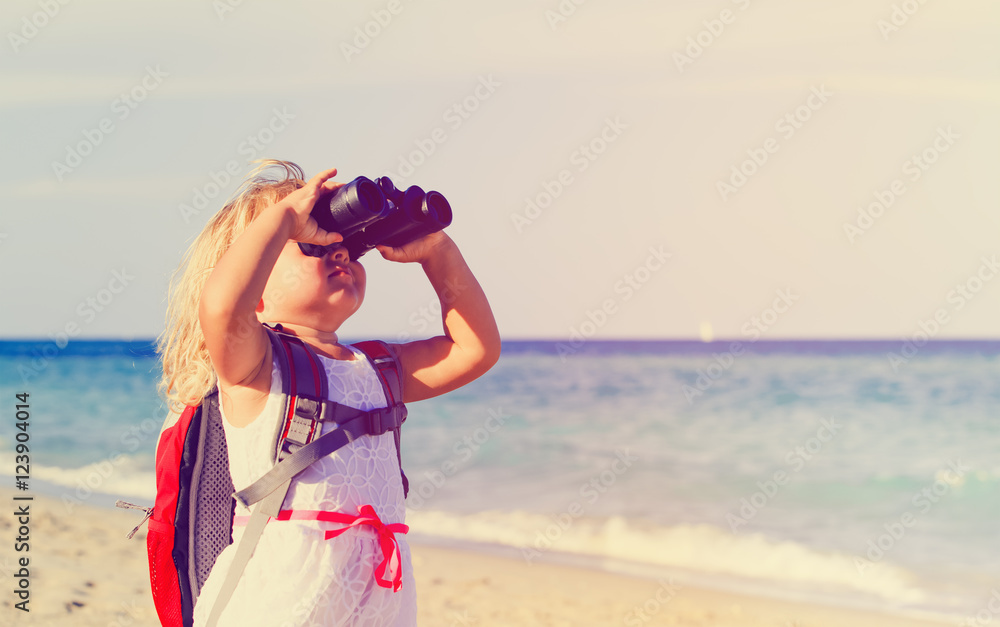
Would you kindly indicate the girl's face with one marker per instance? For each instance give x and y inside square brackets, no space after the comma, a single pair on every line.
[319,292]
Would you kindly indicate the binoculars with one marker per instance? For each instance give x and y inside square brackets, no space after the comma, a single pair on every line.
[369,213]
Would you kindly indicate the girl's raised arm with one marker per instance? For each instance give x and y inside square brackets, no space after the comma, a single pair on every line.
[471,341]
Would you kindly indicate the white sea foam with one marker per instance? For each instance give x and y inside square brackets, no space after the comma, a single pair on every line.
[696,548]
[119,475]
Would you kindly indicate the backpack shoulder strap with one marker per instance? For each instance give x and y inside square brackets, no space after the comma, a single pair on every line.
[303,386]
[389,372]
[391,375]
[302,373]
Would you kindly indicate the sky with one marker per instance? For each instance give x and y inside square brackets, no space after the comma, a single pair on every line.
[741,169]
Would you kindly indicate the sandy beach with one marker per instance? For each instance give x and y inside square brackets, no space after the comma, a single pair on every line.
[84,572]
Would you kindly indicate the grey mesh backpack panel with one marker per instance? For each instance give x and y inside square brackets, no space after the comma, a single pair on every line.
[212,514]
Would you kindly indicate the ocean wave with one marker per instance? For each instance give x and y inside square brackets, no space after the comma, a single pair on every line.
[698,548]
[118,475]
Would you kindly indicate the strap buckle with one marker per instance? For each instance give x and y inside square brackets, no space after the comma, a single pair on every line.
[375,421]
[302,426]
[386,419]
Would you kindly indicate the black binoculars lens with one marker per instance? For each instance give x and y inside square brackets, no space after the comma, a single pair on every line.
[370,197]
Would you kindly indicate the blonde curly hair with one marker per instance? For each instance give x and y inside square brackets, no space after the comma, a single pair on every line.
[187,370]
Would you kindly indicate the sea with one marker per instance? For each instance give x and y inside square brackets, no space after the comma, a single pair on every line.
[852,473]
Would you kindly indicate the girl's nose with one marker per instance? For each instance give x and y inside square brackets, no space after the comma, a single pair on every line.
[339,253]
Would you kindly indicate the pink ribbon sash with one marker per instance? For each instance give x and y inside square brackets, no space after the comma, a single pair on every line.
[391,559]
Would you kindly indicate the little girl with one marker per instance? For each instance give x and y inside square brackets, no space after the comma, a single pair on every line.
[246,268]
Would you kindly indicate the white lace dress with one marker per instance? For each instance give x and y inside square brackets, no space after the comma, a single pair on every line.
[296,577]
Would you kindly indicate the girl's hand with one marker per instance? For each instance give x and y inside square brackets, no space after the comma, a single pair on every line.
[301,203]
[419,250]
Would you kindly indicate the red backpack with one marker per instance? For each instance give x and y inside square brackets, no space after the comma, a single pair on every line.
[192,519]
